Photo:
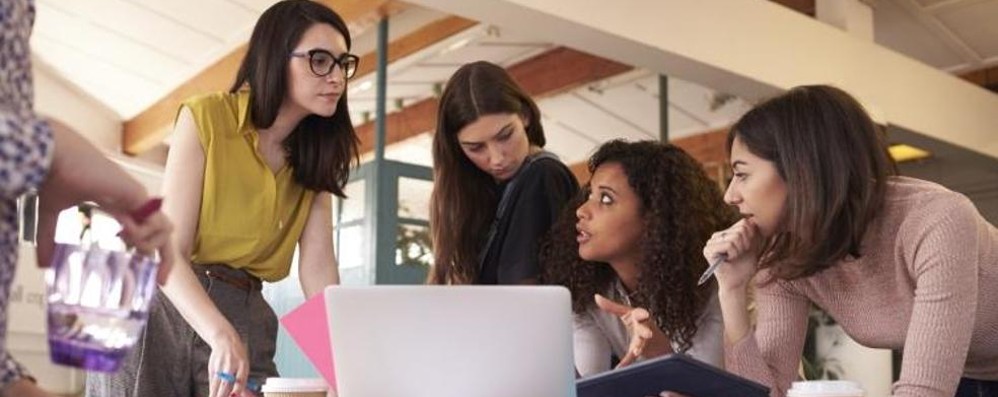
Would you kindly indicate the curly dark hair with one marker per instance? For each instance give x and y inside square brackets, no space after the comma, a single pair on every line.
[681,208]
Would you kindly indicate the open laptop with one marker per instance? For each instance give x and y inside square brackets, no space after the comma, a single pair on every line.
[449,341]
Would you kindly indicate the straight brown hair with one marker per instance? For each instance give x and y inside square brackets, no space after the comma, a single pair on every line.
[834,162]
[320,149]
[464,198]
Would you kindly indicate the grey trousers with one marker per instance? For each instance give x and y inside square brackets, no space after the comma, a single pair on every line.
[170,360]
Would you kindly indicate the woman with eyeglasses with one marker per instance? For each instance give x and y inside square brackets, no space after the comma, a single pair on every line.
[249,176]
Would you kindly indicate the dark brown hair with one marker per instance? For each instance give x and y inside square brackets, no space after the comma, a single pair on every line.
[320,149]
[680,207]
[834,162]
[464,197]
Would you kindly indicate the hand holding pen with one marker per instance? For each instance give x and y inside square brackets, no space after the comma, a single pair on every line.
[733,254]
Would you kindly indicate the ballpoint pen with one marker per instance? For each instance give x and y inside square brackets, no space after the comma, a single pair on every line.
[143,212]
[713,266]
[139,215]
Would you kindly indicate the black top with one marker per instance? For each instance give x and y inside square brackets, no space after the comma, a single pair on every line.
[539,196]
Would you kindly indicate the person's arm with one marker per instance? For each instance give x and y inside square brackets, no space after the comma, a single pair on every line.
[317,266]
[79,172]
[182,184]
[943,260]
[592,349]
[769,355]
[772,353]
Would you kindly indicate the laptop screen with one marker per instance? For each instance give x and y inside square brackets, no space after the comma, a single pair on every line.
[451,340]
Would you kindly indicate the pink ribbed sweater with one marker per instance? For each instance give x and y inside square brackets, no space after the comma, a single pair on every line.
[927,282]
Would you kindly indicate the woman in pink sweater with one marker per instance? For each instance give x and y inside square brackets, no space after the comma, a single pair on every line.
[900,263]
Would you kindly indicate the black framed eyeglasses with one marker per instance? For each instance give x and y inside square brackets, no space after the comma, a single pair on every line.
[323,62]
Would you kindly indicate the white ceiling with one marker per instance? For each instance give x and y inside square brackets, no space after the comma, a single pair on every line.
[953,35]
[128,54]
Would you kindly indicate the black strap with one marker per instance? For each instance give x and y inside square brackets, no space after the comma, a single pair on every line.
[504,204]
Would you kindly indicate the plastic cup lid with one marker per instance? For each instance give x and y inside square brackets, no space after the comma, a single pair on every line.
[825,388]
[293,385]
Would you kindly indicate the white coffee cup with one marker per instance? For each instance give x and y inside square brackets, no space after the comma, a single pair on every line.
[826,388]
[295,387]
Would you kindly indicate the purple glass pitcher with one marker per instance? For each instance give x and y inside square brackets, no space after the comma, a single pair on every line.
[98,301]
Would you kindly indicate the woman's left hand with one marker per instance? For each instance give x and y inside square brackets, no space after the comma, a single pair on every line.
[646,339]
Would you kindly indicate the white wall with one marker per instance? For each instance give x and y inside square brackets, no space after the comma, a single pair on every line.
[56,97]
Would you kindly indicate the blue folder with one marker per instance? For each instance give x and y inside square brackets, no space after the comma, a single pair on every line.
[676,372]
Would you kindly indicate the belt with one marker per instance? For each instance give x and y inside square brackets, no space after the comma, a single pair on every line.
[244,281]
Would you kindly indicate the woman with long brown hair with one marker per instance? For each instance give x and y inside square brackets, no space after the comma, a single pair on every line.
[249,178]
[900,263]
[633,241]
[496,192]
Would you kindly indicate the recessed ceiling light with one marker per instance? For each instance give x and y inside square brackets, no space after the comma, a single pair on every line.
[457,45]
[364,86]
[901,152]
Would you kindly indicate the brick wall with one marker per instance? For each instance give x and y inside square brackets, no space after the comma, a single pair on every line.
[707,148]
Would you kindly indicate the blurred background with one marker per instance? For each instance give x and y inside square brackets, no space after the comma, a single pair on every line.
[681,71]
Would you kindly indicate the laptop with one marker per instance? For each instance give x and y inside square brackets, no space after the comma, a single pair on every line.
[436,341]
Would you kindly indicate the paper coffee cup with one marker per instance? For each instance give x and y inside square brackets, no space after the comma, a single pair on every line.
[295,387]
[826,388]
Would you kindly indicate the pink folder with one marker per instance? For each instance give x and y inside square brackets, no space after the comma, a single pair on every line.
[308,327]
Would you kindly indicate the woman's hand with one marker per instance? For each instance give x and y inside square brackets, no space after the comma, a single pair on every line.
[228,366]
[150,233]
[646,339]
[742,243]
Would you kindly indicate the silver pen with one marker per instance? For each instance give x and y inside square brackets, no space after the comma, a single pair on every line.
[710,269]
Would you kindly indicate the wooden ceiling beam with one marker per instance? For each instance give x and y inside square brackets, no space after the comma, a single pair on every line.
[552,72]
[149,128]
[806,7]
[987,78]
[414,42]
[708,148]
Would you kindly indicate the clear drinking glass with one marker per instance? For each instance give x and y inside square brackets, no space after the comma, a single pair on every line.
[98,303]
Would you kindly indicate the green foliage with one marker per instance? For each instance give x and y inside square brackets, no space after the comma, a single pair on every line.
[414,247]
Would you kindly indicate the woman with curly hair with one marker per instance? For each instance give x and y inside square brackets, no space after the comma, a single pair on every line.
[634,243]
